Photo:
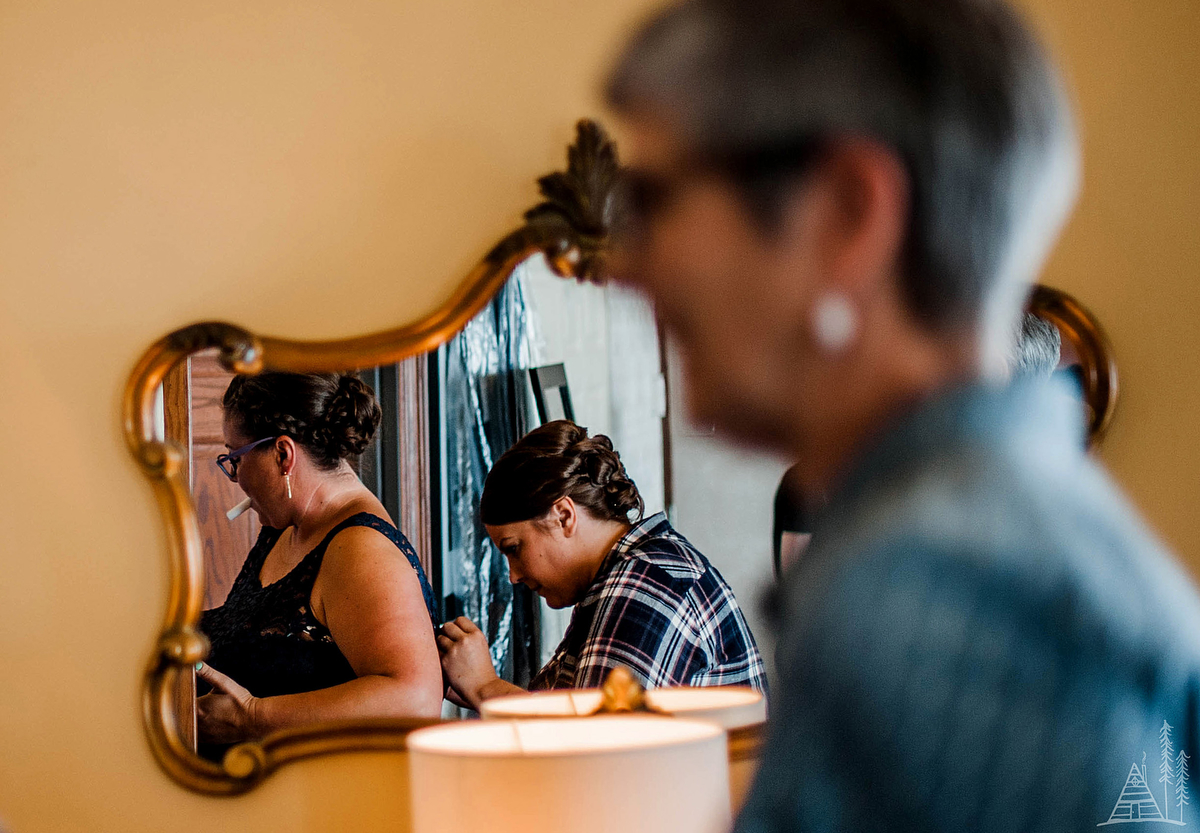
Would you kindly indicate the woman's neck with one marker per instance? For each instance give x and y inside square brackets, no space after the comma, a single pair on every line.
[328,497]
[601,538]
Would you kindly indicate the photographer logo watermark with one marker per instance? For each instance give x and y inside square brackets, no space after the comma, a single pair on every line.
[1138,803]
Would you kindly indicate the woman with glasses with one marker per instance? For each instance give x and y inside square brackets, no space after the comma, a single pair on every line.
[331,615]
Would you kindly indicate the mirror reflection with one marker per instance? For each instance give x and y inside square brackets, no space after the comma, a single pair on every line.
[330,601]
[324,602]
[350,571]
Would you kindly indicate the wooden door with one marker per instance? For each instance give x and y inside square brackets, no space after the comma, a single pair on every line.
[194,409]
[226,543]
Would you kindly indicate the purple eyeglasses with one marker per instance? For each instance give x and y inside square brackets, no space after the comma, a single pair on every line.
[229,462]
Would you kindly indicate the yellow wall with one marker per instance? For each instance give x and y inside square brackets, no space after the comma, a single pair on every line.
[274,164]
[309,169]
[1132,252]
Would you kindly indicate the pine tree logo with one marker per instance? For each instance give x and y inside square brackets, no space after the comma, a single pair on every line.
[1137,802]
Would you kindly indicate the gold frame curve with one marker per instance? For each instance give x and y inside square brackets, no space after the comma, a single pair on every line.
[1082,329]
[570,227]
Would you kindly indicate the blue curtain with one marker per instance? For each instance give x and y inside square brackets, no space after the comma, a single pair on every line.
[485,413]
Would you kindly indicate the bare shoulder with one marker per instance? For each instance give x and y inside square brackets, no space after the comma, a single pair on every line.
[361,567]
[360,547]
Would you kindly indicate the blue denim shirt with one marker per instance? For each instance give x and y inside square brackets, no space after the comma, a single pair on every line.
[982,637]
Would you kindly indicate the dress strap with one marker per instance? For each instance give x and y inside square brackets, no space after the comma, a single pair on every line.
[402,543]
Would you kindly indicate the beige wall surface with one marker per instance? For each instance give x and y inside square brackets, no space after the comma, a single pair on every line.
[1132,251]
[326,168]
[306,169]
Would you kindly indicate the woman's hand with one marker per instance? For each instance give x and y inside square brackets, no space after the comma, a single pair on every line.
[227,714]
[466,662]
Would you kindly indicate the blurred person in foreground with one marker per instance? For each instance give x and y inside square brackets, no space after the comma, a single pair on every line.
[1035,354]
[838,207]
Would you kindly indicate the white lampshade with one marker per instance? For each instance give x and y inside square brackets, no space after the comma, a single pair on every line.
[565,703]
[739,710]
[730,707]
[613,773]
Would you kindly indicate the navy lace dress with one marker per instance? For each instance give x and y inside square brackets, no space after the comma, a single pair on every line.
[267,639]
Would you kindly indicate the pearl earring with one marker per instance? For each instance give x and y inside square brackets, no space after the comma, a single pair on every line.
[834,322]
[287,482]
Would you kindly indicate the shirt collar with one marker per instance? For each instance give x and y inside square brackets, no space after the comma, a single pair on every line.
[640,531]
[647,527]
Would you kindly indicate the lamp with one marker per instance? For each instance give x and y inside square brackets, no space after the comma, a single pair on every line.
[630,773]
[739,710]
[730,707]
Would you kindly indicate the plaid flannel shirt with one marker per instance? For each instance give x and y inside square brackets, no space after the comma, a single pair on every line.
[660,609]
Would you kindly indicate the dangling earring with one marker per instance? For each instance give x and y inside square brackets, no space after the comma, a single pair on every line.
[834,322]
[287,482]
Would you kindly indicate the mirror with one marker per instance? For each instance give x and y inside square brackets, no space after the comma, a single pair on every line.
[571,343]
[1085,354]
[169,426]
[517,364]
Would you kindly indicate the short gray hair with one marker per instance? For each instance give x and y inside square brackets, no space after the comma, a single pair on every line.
[959,89]
[1037,349]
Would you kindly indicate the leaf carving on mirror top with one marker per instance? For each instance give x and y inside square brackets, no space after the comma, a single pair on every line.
[572,224]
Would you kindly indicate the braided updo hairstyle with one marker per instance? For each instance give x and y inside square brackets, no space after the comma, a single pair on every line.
[331,416]
[554,461]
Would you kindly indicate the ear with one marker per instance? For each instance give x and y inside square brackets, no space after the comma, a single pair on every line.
[565,515]
[286,452]
[856,207]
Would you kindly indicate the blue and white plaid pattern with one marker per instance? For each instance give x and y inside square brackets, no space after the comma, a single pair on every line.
[660,609]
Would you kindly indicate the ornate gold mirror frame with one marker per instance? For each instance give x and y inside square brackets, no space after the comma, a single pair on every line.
[570,227]
[1083,332]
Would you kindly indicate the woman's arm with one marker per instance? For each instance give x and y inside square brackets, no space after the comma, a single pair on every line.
[369,597]
[468,664]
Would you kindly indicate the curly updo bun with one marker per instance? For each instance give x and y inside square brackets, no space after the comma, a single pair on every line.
[554,461]
[331,416]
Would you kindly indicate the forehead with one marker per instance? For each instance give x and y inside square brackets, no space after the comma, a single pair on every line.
[518,530]
[232,431]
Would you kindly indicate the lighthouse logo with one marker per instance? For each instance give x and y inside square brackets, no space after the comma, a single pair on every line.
[1138,802]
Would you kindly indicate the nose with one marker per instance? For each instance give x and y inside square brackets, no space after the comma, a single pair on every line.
[513,576]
